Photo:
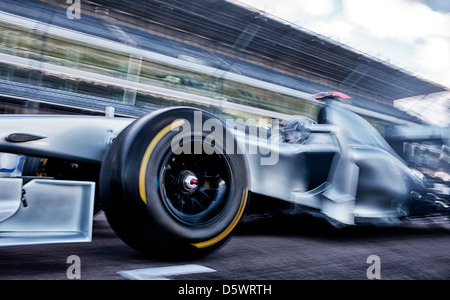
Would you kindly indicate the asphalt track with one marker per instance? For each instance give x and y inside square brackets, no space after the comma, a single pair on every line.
[293,248]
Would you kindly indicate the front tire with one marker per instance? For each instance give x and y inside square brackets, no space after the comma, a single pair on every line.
[164,191]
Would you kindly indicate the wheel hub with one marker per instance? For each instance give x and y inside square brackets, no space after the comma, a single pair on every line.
[194,188]
[187,182]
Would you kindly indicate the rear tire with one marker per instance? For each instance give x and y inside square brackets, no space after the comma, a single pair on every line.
[174,205]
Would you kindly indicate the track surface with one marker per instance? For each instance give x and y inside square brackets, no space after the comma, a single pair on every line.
[293,248]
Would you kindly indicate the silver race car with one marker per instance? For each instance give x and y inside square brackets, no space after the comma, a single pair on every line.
[178,181]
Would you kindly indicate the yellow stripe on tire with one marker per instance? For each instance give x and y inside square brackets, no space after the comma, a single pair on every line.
[148,153]
[230,227]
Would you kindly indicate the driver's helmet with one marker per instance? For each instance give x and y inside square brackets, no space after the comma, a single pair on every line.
[297,129]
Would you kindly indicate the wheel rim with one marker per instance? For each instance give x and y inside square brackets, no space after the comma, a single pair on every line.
[194,187]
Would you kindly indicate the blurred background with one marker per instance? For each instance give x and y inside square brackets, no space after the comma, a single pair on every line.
[227,57]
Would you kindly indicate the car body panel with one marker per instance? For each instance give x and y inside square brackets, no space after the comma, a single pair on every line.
[77,138]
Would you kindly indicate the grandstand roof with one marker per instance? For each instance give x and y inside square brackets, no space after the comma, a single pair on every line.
[253,36]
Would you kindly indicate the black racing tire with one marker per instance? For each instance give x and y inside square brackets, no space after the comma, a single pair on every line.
[168,204]
[34,166]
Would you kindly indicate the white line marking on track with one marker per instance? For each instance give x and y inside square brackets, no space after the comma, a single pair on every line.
[162,272]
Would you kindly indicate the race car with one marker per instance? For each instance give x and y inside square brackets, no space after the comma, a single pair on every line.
[177,182]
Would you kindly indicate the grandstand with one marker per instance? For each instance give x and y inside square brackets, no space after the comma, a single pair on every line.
[120,51]
[251,35]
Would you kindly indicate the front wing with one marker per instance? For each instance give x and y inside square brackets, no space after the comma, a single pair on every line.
[45,211]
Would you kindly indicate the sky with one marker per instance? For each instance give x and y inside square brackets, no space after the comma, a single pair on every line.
[411,34]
